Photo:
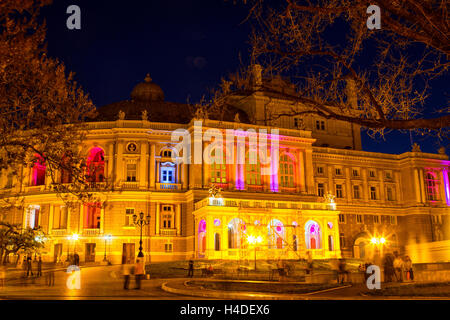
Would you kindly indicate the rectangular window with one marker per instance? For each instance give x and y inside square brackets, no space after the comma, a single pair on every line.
[432,183]
[320,190]
[339,193]
[131,172]
[393,219]
[388,175]
[373,193]
[355,172]
[390,194]
[341,218]
[92,216]
[338,171]
[372,173]
[168,247]
[320,170]
[129,212]
[376,219]
[356,194]
[359,218]
[167,217]
[59,217]
[167,175]
[342,240]
[320,125]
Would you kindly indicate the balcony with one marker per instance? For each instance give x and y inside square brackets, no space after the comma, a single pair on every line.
[168,186]
[91,232]
[168,232]
[59,232]
[130,186]
[35,189]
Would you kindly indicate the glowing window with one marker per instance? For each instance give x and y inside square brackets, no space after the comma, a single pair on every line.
[276,234]
[286,171]
[432,186]
[92,216]
[38,175]
[313,235]
[96,165]
[236,233]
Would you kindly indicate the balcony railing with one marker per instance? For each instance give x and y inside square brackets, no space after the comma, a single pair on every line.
[168,232]
[168,186]
[91,232]
[35,188]
[59,232]
[130,185]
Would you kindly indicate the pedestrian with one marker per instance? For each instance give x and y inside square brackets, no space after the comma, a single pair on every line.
[138,273]
[50,278]
[342,270]
[76,259]
[398,267]
[309,269]
[408,269]
[388,266]
[126,271]
[39,267]
[191,268]
[29,266]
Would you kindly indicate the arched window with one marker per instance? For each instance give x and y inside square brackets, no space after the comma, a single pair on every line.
[312,235]
[236,233]
[96,165]
[217,242]
[218,173]
[166,153]
[38,174]
[275,234]
[202,236]
[432,186]
[286,171]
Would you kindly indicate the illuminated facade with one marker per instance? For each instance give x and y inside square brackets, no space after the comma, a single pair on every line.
[403,198]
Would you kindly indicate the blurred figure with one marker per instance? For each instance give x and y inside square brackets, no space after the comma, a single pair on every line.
[139,273]
[29,266]
[76,259]
[342,270]
[191,269]
[2,276]
[398,267]
[50,278]
[126,271]
[309,260]
[407,265]
[388,266]
[210,270]
[39,267]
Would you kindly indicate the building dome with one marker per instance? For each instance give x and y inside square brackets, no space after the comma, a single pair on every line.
[147,91]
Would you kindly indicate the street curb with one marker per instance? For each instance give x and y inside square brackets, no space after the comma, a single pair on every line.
[234,295]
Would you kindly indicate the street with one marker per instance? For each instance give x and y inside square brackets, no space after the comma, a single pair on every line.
[97,283]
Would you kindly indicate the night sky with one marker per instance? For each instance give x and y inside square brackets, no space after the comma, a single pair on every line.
[186,46]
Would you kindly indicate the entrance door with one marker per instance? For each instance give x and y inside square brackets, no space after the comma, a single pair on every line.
[58,252]
[90,252]
[128,253]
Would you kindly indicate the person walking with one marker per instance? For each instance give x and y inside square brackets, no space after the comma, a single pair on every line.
[126,271]
[398,267]
[407,265]
[39,267]
[191,269]
[138,273]
[76,259]
[50,277]
[29,266]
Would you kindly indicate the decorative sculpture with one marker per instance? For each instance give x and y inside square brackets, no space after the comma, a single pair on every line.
[121,115]
[416,148]
[144,115]
[236,118]
[214,191]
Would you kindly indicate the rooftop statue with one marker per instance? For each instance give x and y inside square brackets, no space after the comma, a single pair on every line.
[121,115]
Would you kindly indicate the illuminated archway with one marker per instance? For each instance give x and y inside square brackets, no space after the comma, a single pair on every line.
[236,233]
[95,165]
[202,237]
[276,234]
[313,235]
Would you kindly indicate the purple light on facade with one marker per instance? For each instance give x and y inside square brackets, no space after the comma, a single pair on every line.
[202,226]
[446,187]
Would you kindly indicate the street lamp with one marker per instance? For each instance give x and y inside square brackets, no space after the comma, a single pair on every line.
[106,237]
[254,241]
[140,223]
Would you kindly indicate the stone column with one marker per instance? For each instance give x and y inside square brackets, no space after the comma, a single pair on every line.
[184,176]
[309,171]
[422,185]
[331,188]
[50,218]
[158,228]
[152,166]
[143,160]
[301,171]
[417,186]
[382,191]
[109,163]
[365,187]
[178,218]
[102,220]
[348,185]
[119,161]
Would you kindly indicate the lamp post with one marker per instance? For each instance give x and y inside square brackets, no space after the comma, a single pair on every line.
[140,222]
[106,237]
[254,241]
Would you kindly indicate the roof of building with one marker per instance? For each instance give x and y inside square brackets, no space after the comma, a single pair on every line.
[149,97]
